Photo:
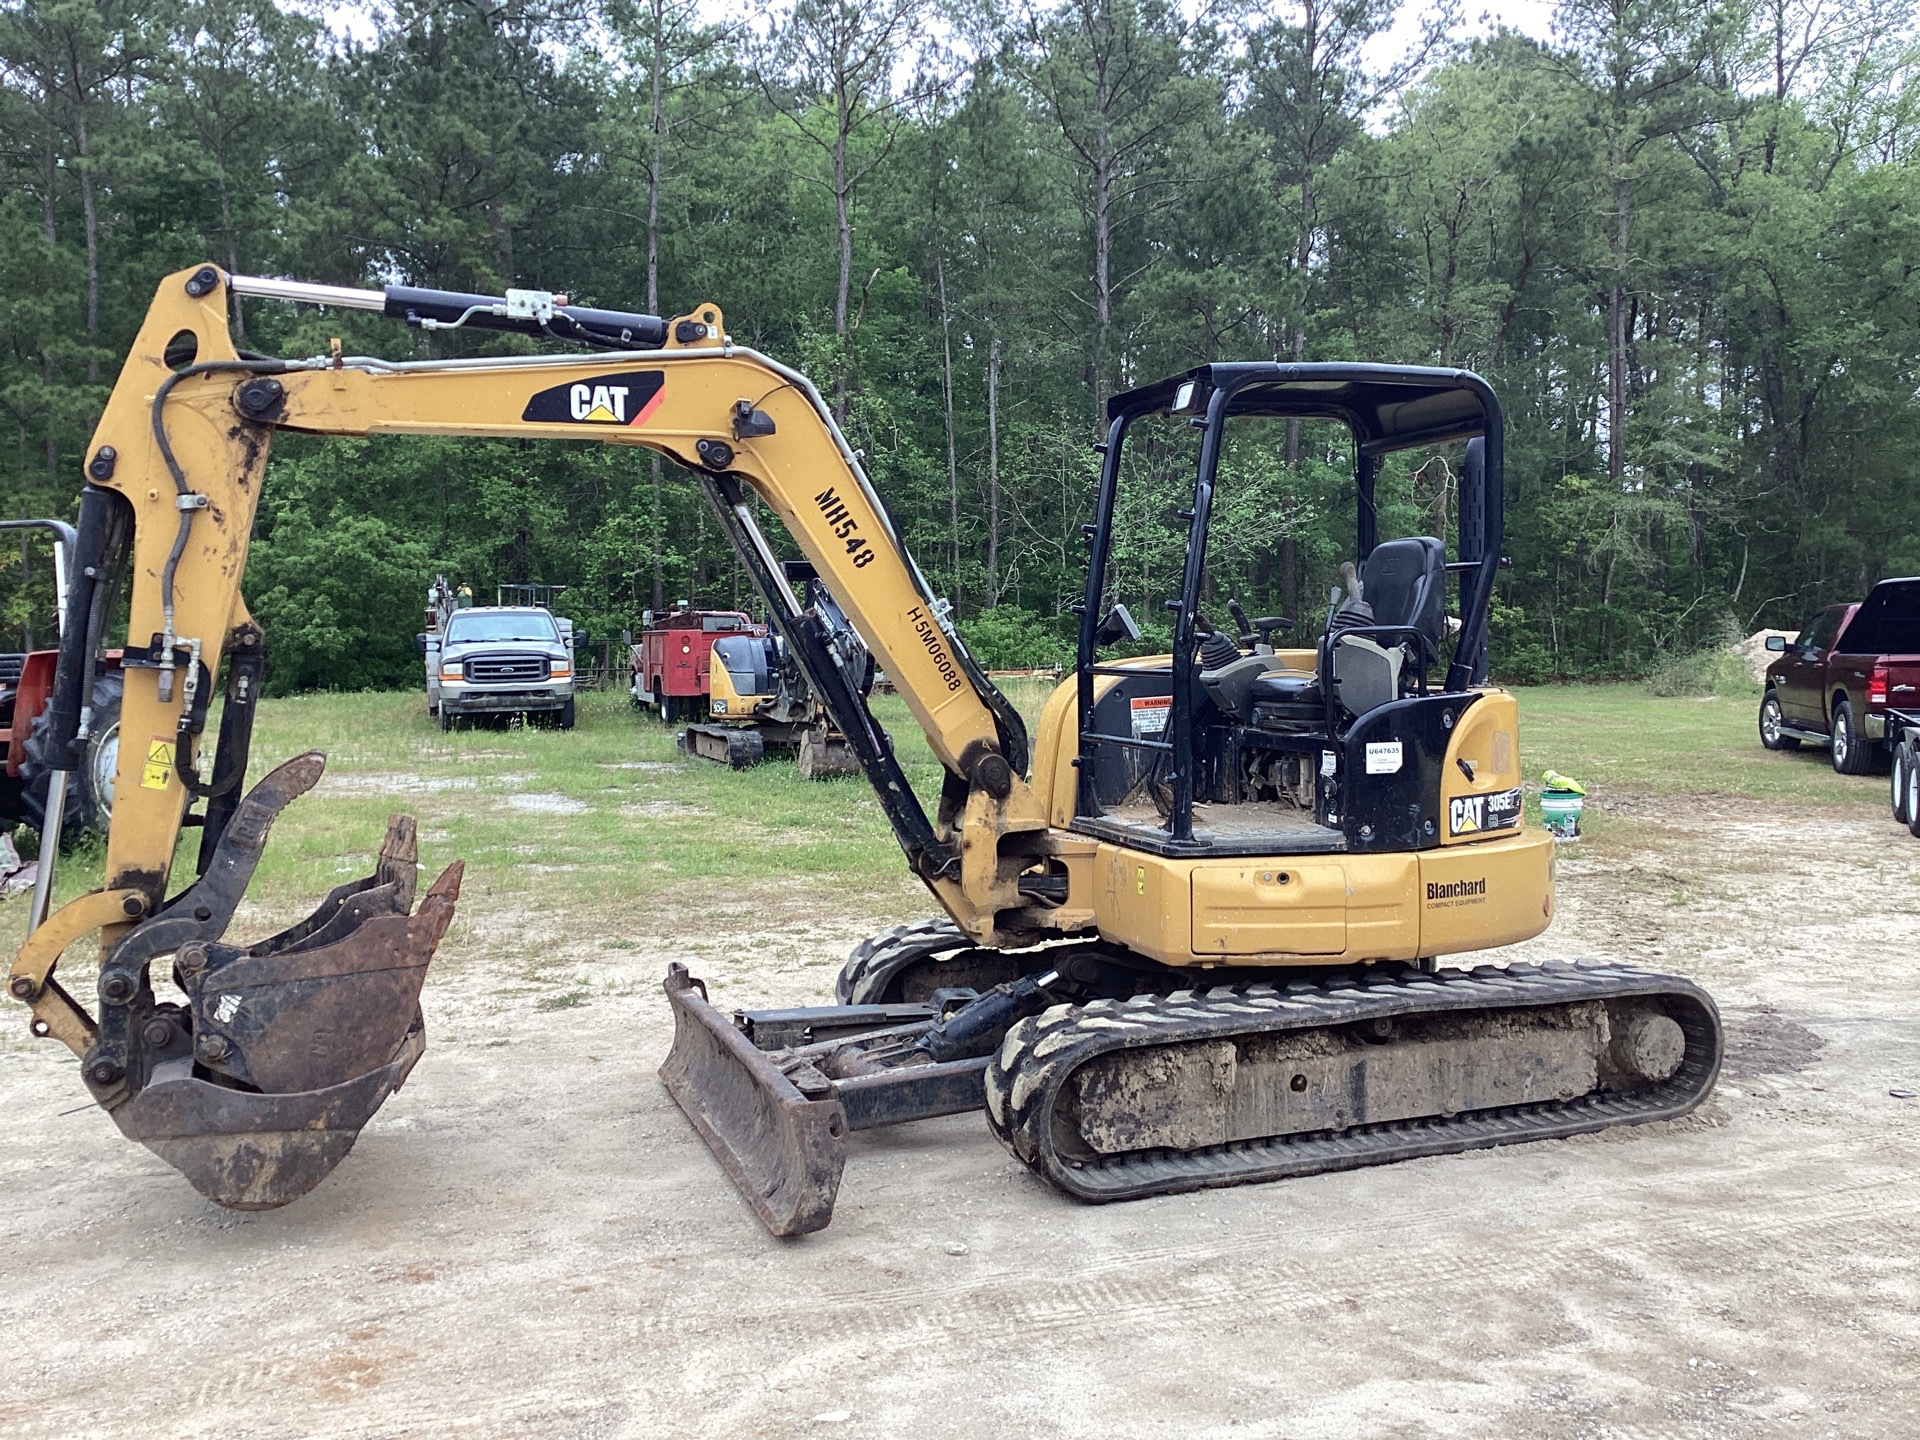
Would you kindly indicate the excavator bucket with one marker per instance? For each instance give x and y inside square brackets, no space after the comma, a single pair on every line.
[259,1085]
[782,1147]
[824,753]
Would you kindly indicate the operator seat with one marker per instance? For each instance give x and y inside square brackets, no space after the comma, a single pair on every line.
[1406,584]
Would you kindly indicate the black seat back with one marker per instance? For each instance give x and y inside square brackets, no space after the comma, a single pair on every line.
[1406,584]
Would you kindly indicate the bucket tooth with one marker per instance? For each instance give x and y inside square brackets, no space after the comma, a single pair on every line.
[782,1149]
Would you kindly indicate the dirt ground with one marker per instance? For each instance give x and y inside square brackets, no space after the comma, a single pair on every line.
[530,1241]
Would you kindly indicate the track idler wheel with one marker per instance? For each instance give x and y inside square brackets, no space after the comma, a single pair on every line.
[259,1085]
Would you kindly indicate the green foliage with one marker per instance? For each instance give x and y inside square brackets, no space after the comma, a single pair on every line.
[1697,293]
[1710,670]
[1009,638]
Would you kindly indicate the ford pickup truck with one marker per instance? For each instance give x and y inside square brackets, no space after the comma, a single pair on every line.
[1835,682]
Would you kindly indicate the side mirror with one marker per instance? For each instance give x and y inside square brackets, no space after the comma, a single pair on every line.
[1777,644]
[420,642]
[1117,625]
[581,639]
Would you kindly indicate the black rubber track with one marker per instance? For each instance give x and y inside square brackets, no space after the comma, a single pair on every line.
[1027,1076]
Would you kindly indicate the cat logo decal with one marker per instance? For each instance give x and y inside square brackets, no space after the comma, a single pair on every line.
[628,398]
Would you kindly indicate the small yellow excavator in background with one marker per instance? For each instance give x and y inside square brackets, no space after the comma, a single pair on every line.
[1191,932]
[758,699]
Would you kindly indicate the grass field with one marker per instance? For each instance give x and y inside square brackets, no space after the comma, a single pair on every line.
[612,813]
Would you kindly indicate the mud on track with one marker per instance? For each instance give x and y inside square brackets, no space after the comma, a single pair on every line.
[529,1240]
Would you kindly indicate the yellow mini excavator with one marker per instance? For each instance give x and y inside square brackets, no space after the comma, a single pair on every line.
[1191,933]
[758,699]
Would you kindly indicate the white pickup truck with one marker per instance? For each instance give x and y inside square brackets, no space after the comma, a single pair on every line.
[496,660]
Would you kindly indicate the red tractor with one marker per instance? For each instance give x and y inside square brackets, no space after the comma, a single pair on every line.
[26,680]
[669,660]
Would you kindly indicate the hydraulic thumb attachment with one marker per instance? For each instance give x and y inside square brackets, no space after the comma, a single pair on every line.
[775,1093]
[258,1084]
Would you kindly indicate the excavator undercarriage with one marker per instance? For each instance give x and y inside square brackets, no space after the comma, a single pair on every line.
[1170,1089]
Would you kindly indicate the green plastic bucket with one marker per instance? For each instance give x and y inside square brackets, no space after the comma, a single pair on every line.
[1560,812]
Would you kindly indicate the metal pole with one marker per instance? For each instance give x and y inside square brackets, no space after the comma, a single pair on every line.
[56,811]
[51,824]
[303,292]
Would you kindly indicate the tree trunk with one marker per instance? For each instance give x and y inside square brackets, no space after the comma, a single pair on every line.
[993,467]
[233,250]
[946,384]
[48,230]
[1289,545]
[842,214]
[1103,164]
[655,126]
[1617,322]
[91,223]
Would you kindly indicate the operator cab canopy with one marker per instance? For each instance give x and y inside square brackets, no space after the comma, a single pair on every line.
[1387,407]
[1384,409]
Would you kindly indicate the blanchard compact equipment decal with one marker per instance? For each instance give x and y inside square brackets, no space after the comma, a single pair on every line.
[1446,894]
[629,398]
[1475,814]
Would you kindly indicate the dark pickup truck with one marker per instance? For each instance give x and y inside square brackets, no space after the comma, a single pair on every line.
[1834,684]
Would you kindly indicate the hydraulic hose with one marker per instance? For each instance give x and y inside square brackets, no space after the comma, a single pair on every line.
[183,492]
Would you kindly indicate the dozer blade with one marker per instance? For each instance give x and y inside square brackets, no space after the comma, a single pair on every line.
[259,1085]
[783,1149]
[823,754]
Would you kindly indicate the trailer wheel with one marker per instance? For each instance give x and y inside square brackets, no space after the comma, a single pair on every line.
[1897,790]
[90,790]
[1913,787]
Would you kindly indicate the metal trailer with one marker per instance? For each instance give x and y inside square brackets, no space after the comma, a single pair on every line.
[1903,738]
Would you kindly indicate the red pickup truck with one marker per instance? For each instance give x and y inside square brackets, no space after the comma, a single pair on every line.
[1834,684]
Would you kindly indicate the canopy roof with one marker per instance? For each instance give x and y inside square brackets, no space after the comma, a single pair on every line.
[1387,407]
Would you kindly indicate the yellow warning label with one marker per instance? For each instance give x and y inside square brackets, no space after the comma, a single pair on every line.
[159,767]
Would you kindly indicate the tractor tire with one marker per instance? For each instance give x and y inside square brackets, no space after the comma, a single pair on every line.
[90,787]
[1773,724]
[1852,755]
